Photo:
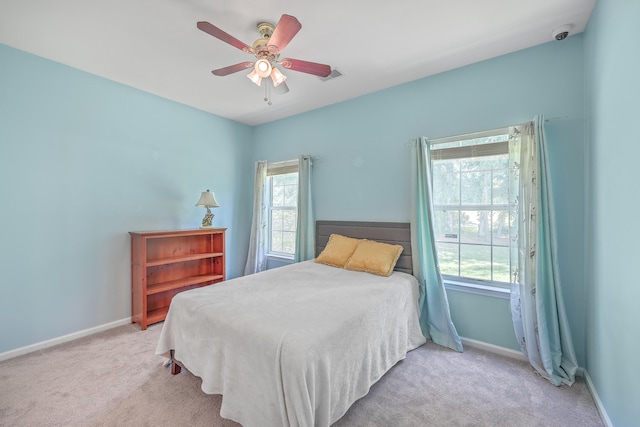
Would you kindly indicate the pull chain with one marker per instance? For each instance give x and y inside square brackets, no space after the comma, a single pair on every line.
[267,93]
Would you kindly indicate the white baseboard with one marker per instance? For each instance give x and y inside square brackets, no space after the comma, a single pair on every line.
[503,351]
[596,399]
[65,338]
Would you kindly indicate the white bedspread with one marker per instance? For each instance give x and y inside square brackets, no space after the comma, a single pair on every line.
[296,345]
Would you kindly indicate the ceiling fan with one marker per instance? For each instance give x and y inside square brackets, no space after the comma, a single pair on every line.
[267,51]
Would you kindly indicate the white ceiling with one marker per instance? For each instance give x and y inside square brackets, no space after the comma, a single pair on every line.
[154,45]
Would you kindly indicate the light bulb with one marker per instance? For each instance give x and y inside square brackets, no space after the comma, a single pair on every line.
[262,68]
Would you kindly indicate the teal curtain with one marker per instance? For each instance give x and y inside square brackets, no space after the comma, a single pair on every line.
[257,256]
[538,310]
[435,318]
[305,231]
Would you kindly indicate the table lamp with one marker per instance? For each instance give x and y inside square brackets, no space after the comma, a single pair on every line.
[208,200]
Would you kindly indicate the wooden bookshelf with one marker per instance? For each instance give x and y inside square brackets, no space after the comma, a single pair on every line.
[164,263]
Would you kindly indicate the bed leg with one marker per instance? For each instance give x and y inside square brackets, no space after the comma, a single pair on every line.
[175,368]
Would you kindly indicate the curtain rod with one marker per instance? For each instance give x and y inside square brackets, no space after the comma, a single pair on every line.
[284,162]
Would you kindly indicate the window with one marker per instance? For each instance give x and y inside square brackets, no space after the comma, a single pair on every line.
[282,202]
[472,217]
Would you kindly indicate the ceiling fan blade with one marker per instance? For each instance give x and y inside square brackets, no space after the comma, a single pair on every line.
[321,70]
[227,38]
[232,69]
[285,30]
[281,89]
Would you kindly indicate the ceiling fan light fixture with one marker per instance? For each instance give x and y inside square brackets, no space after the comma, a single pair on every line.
[255,77]
[263,68]
[277,77]
[267,49]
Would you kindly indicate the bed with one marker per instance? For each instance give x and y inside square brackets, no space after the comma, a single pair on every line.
[297,345]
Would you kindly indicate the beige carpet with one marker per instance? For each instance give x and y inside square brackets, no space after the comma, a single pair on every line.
[114,379]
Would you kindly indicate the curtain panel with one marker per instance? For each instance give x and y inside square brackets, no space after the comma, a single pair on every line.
[257,255]
[435,317]
[306,228]
[538,310]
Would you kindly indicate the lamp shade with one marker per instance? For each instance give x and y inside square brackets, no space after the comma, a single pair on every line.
[277,77]
[255,77]
[208,200]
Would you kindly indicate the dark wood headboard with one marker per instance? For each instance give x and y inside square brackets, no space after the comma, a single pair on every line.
[397,233]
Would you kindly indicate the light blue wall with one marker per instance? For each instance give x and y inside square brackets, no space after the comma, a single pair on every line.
[613,93]
[84,160]
[483,318]
[361,166]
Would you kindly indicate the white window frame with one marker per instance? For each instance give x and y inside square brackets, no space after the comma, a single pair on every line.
[458,149]
[274,169]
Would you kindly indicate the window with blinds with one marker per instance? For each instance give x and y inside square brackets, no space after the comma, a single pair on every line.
[282,201]
[470,180]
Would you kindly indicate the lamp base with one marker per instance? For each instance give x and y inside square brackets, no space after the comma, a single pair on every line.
[207,221]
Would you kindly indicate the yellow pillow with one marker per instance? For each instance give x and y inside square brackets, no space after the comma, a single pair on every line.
[374,257]
[338,250]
